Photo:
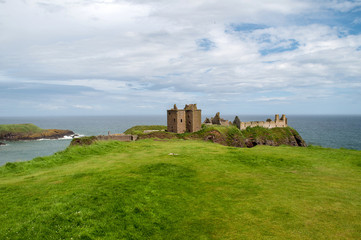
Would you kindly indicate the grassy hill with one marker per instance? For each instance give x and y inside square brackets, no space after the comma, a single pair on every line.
[176,189]
[28,131]
[19,128]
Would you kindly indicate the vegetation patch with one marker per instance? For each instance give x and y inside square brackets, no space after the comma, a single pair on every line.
[14,132]
[229,135]
[136,190]
[139,130]
[83,141]
[19,128]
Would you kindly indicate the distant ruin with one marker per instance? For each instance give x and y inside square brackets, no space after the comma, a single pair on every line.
[278,122]
[217,120]
[266,124]
[188,119]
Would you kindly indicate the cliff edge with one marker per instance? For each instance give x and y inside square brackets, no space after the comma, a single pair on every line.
[228,135]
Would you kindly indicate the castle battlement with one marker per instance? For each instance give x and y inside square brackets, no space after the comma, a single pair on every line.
[266,124]
[278,122]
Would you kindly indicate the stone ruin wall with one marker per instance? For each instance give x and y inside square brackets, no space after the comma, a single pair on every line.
[266,124]
[217,120]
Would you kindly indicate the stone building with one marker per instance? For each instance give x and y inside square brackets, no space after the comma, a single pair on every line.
[188,119]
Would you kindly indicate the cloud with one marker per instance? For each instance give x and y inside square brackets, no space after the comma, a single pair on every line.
[83,106]
[125,53]
[357,20]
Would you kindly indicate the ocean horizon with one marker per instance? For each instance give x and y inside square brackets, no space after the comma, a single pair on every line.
[329,131]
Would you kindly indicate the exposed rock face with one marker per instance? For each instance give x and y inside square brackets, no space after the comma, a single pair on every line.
[47,133]
[294,140]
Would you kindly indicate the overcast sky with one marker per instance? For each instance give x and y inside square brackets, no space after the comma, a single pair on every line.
[117,57]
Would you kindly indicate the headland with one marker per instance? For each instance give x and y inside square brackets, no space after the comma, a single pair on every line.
[17,132]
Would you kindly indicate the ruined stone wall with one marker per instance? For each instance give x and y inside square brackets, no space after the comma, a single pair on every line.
[266,124]
[176,121]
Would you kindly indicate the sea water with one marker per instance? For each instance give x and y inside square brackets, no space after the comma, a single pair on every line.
[326,131]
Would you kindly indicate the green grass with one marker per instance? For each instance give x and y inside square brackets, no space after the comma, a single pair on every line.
[140,129]
[19,128]
[136,190]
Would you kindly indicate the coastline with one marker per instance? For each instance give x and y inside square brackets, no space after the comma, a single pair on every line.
[331,131]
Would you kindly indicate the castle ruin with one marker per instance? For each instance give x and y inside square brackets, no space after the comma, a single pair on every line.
[188,119]
[278,122]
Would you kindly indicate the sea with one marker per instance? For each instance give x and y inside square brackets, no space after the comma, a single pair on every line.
[329,131]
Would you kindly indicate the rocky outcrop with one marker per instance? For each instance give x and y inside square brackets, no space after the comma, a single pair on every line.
[294,140]
[46,133]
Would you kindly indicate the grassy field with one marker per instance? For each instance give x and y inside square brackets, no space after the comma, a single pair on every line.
[136,190]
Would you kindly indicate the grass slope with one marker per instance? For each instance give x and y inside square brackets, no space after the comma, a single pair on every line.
[19,128]
[136,190]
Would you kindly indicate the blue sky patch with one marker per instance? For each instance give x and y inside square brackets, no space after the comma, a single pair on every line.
[246,27]
[348,22]
[290,46]
[205,44]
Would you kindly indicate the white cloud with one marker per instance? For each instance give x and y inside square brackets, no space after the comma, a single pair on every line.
[83,106]
[357,20]
[147,50]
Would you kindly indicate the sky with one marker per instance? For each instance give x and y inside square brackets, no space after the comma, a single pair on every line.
[139,57]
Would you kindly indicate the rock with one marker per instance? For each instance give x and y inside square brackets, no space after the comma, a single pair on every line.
[2,144]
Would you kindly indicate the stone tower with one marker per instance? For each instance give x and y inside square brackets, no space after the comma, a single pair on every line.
[184,120]
[193,118]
